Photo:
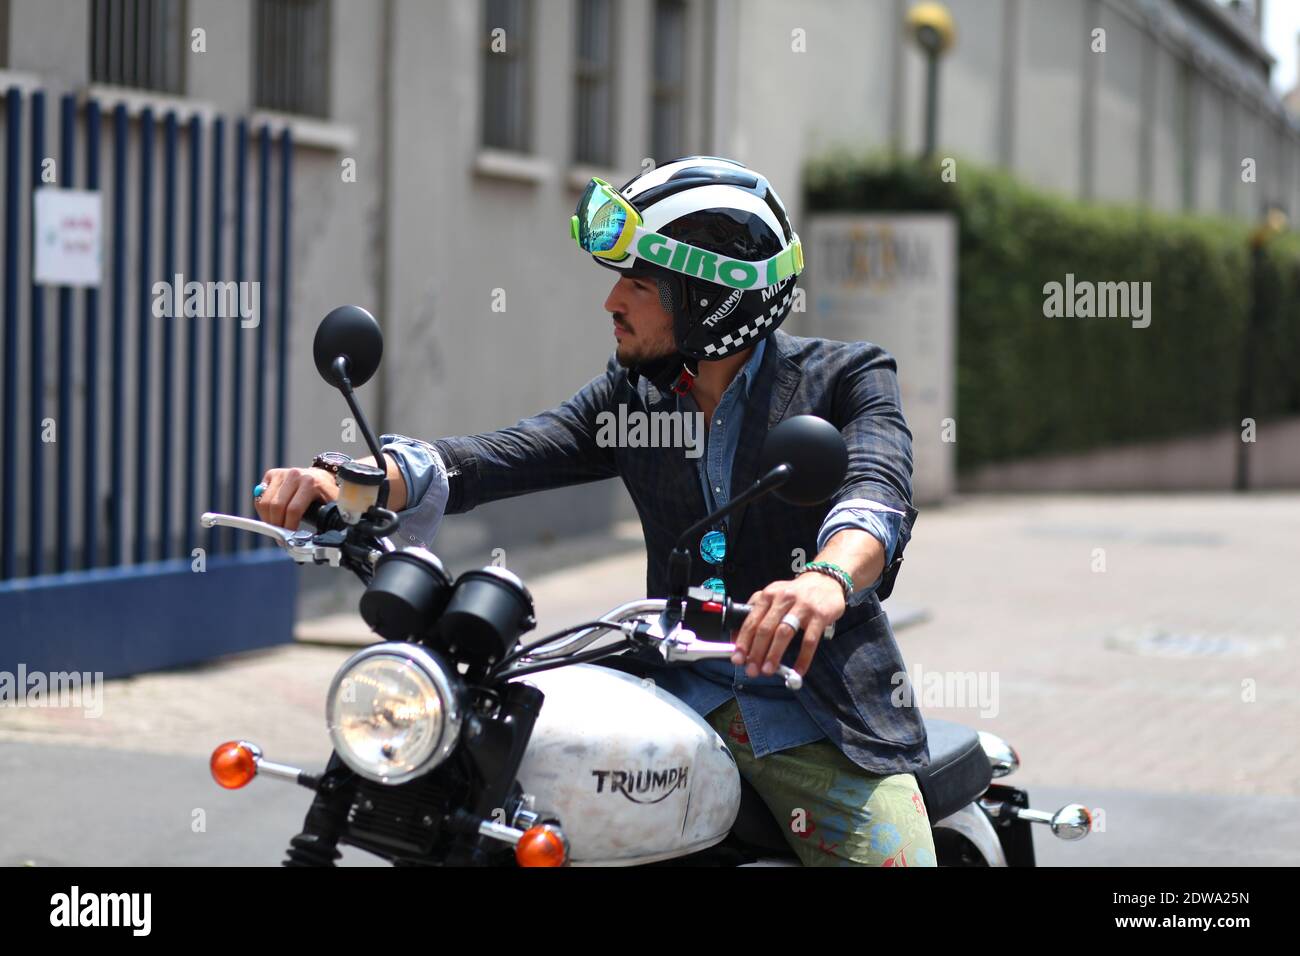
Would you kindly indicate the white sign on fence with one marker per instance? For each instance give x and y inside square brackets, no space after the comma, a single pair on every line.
[892,280]
[68,237]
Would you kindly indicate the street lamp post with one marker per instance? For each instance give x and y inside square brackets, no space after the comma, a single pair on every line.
[1272,224]
[930,25]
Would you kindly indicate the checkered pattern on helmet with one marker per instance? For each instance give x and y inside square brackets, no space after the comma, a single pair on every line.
[750,330]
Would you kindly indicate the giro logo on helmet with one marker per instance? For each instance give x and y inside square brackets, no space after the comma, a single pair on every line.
[687,259]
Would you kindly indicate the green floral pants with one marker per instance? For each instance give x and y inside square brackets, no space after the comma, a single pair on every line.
[832,812]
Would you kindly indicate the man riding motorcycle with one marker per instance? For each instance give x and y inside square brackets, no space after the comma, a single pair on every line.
[707,264]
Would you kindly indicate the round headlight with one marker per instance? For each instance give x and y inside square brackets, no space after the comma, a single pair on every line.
[392,712]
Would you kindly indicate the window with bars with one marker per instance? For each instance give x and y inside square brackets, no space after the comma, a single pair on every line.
[138,43]
[291,69]
[594,84]
[505,75]
[668,89]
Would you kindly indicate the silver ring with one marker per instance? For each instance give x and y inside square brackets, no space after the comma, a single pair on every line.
[794,622]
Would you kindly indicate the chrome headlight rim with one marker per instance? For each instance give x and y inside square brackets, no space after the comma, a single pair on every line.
[444,682]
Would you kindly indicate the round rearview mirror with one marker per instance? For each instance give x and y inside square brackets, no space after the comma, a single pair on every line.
[815,452]
[352,332]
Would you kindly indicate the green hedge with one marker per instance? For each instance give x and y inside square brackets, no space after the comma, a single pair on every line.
[1031,385]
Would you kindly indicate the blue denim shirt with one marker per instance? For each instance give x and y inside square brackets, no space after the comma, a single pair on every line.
[774,719]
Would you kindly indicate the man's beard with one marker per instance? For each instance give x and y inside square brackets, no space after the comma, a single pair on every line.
[638,350]
[631,353]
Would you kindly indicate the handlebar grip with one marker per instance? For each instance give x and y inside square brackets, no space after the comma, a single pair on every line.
[324,516]
[736,615]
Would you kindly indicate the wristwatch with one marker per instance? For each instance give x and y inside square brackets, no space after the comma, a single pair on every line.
[331,461]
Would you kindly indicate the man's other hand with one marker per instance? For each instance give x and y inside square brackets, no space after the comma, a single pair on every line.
[815,599]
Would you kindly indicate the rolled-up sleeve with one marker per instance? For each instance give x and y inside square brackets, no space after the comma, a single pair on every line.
[868,411]
[427,488]
[880,521]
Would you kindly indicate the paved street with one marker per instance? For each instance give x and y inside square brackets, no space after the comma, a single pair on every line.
[1163,690]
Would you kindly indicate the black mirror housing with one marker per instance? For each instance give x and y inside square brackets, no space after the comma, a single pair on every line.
[815,451]
[353,333]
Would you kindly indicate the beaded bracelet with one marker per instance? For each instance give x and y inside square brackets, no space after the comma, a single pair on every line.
[834,571]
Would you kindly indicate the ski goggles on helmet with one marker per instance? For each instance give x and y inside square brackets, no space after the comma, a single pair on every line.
[609,227]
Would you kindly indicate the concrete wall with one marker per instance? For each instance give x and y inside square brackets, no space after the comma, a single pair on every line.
[1196,463]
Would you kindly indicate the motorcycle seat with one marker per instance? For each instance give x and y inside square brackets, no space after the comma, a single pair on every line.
[958,773]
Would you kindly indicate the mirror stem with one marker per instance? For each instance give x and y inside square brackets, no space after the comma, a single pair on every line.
[345,386]
[679,561]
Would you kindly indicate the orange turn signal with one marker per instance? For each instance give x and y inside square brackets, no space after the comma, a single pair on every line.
[541,846]
[233,764]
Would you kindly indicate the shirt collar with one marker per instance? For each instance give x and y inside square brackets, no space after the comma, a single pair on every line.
[746,376]
[750,371]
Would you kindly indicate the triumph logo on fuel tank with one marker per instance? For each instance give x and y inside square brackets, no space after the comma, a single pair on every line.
[642,786]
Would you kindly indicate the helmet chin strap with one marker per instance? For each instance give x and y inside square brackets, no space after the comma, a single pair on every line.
[673,373]
[690,368]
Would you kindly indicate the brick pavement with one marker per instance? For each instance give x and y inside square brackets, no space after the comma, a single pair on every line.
[1011,589]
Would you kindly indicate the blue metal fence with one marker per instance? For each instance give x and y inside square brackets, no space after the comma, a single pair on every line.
[152,424]
[8,461]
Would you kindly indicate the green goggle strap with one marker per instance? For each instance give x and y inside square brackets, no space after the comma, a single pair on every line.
[710,266]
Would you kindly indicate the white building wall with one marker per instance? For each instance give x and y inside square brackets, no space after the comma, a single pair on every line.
[1118,133]
[1049,119]
[970,101]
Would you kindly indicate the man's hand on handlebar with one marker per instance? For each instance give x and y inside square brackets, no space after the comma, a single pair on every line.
[287,493]
[815,600]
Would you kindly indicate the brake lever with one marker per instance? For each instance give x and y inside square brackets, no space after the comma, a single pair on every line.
[681,645]
[299,544]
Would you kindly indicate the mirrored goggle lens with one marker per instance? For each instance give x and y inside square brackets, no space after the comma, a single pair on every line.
[601,221]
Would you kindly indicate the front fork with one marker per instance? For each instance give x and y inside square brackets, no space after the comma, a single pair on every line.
[317,844]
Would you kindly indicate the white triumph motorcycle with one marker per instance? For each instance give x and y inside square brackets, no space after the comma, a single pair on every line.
[455,744]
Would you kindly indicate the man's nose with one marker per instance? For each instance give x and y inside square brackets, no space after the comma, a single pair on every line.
[614,301]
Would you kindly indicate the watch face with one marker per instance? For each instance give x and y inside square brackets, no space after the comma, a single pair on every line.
[331,460]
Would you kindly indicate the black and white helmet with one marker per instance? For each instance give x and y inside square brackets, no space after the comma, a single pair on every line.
[720,206]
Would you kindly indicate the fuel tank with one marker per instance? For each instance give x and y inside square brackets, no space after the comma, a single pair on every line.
[632,773]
